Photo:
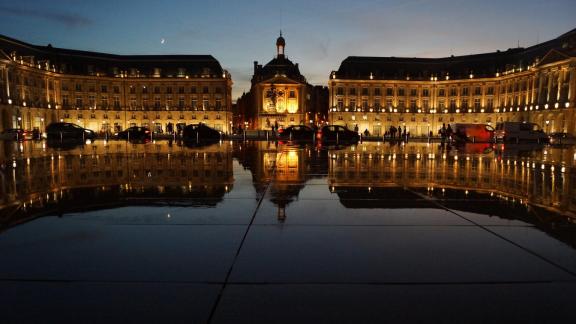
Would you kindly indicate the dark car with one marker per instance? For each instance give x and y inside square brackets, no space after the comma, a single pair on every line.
[61,131]
[135,133]
[337,133]
[561,139]
[200,133]
[299,132]
[16,134]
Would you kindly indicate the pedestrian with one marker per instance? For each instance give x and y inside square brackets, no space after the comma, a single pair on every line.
[449,133]
[356,128]
[366,133]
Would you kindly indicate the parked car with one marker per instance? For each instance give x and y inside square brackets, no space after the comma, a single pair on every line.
[561,139]
[297,132]
[199,133]
[61,131]
[16,134]
[135,133]
[519,132]
[337,133]
[464,132]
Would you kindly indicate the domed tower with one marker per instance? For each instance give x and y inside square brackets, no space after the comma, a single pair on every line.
[280,44]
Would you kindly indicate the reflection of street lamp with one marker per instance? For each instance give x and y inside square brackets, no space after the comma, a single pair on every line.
[19,122]
[547,126]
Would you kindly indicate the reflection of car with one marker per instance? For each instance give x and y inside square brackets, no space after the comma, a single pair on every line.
[519,131]
[561,139]
[298,132]
[60,131]
[16,134]
[135,133]
[199,133]
[337,133]
[473,132]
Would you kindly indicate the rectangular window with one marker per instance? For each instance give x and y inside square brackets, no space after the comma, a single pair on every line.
[205,104]
[168,89]
[104,102]
[180,90]
[441,92]
[490,91]
[218,104]
[413,92]
[205,90]
[132,89]
[218,90]
[156,90]
[477,91]
[477,103]
[79,102]
[490,103]
[352,91]
[425,92]
[365,104]
[340,104]
[116,102]
[413,104]
[194,104]
[377,103]
[441,104]
[377,92]
[103,88]
[144,89]
[65,101]
[292,94]
[352,104]
[181,103]
[116,89]
[339,91]
[452,92]
[465,91]
[401,92]
[78,87]
[157,103]
[92,101]
[364,91]
[389,91]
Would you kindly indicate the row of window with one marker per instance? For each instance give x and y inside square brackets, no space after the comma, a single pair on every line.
[464,91]
[413,103]
[117,116]
[145,89]
[133,102]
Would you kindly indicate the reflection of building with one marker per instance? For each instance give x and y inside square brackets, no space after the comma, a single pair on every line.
[43,84]
[279,94]
[172,172]
[533,84]
[547,179]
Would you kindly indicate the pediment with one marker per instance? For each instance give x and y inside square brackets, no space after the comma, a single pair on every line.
[553,56]
[279,79]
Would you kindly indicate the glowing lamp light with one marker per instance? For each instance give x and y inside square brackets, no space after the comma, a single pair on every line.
[9,101]
[567,105]
[556,105]
[546,106]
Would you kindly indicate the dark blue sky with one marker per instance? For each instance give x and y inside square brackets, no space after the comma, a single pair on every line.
[319,34]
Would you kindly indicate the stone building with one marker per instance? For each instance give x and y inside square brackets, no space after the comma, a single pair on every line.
[107,92]
[535,84]
[279,94]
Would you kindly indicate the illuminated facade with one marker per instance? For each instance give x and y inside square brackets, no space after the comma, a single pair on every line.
[279,94]
[106,93]
[536,84]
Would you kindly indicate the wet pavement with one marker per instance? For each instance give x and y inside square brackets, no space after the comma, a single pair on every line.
[265,232]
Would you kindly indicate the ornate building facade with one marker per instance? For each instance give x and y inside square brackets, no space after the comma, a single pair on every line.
[279,94]
[536,84]
[106,92]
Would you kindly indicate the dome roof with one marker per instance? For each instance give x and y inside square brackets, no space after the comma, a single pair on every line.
[280,41]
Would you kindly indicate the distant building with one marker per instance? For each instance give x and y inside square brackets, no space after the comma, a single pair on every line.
[279,94]
[536,84]
[106,92]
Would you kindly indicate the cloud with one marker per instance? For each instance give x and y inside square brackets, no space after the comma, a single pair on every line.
[67,19]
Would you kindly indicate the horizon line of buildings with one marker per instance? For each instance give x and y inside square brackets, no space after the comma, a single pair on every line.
[107,92]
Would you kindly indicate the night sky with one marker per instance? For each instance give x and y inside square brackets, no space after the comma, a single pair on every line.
[319,34]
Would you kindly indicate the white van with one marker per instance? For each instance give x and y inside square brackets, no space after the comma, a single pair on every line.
[519,132]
